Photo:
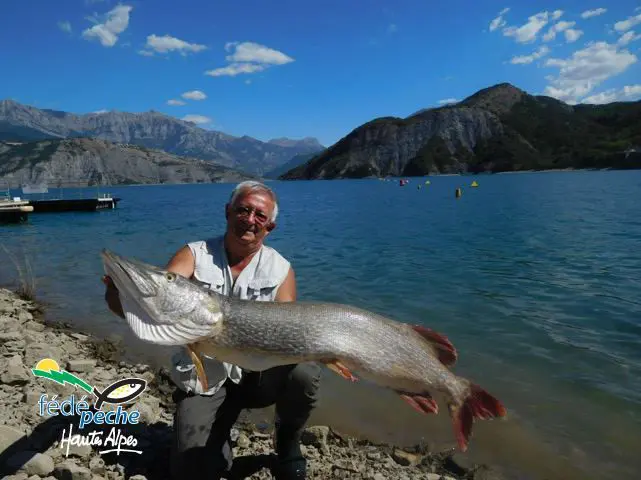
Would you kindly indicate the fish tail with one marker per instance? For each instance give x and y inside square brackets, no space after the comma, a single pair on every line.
[477,404]
[98,394]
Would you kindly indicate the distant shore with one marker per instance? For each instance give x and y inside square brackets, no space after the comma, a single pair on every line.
[37,446]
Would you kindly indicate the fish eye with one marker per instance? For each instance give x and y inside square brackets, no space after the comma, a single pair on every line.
[132,385]
[171,276]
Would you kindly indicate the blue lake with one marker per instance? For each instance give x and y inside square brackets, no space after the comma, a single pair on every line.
[535,278]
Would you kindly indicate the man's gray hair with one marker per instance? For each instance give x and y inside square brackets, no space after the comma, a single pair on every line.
[253,186]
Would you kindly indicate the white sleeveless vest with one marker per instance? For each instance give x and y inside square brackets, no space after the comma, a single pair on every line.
[258,281]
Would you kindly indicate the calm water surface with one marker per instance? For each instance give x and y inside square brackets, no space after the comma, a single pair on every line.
[536,278]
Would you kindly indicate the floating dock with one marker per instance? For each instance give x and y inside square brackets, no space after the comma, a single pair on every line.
[14,211]
[105,202]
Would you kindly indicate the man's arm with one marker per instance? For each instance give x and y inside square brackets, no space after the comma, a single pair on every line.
[287,290]
[182,263]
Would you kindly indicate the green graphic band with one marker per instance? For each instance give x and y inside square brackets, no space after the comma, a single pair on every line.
[62,377]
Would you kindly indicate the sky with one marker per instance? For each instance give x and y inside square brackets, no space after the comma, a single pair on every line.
[285,68]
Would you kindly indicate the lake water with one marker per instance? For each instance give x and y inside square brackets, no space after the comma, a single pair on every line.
[535,278]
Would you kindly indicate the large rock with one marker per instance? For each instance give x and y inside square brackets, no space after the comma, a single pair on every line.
[32,463]
[405,458]
[149,408]
[11,335]
[68,470]
[15,372]
[9,436]
[80,365]
[317,437]
[38,351]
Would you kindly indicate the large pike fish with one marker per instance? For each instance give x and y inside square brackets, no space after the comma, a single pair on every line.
[164,308]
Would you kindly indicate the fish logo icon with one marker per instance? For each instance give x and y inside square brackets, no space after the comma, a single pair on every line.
[121,391]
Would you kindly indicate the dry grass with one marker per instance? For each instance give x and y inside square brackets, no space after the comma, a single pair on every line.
[26,288]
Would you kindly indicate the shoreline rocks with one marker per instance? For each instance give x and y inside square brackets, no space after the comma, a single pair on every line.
[39,417]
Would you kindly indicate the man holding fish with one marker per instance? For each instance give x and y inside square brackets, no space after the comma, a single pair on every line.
[236,264]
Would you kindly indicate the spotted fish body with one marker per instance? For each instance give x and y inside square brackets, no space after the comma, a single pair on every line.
[260,335]
[123,392]
[164,308]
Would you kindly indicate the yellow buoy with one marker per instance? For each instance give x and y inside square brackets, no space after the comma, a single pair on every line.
[427,182]
[474,184]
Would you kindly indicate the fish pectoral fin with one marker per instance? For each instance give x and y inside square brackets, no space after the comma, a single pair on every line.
[337,367]
[423,403]
[200,369]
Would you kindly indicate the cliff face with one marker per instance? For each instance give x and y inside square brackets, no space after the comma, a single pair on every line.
[97,162]
[152,130]
[395,146]
[501,128]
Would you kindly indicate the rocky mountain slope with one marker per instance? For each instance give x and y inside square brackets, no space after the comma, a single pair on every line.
[84,161]
[153,130]
[293,163]
[501,128]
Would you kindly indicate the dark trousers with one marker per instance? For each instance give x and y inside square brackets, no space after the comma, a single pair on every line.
[202,423]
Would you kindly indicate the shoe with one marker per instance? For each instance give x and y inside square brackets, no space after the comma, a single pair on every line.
[290,470]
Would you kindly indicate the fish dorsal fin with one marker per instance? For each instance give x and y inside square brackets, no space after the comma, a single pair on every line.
[444,349]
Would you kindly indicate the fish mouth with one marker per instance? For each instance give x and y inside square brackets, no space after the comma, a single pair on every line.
[131,276]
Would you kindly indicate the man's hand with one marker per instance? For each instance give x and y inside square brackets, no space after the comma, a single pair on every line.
[112,298]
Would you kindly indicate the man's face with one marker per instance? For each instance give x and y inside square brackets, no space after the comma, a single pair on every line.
[249,218]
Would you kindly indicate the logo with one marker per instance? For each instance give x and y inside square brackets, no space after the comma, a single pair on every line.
[120,392]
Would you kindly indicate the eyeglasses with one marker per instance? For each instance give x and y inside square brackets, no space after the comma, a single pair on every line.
[245,212]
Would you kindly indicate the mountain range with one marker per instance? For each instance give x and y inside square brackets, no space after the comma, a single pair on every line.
[89,161]
[153,130]
[500,128]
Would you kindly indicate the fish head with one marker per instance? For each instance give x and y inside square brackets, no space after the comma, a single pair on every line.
[160,306]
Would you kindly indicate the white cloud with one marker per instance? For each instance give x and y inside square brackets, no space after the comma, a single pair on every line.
[629,92]
[628,37]
[498,22]
[116,22]
[604,97]
[65,26]
[556,14]
[527,33]
[447,101]
[194,95]
[146,53]
[167,43]
[632,90]
[627,24]
[197,119]
[526,59]
[593,13]
[557,28]
[254,52]
[573,35]
[249,57]
[235,69]
[586,69]
[175,103]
